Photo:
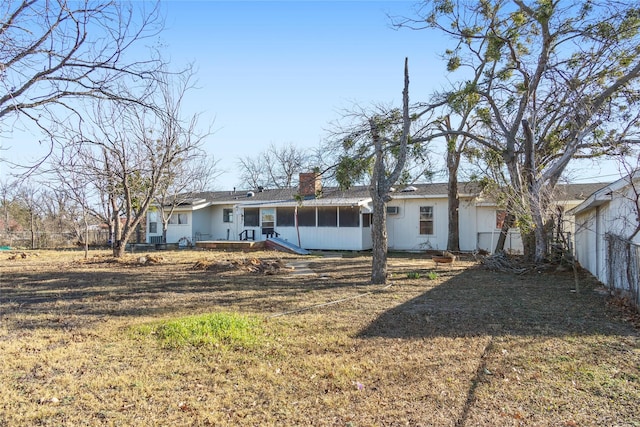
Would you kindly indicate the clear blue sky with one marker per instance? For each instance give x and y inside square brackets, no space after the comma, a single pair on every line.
[281,72]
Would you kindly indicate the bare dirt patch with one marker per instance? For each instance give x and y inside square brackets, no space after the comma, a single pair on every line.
[460,345]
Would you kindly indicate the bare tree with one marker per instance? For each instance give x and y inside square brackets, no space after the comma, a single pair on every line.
[182,180]
[6,194]
[57,52]
[29,197]
[252,172]
[276,167]
[379,144]
[85,189]
[134,151]
[559,81]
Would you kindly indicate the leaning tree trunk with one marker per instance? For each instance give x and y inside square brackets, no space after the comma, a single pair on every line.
[508,222]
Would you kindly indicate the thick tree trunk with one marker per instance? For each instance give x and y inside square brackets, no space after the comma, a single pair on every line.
[120,248]
[537,209]
[380,242]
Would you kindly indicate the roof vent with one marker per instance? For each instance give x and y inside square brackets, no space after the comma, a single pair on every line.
[409,189]
[250,194]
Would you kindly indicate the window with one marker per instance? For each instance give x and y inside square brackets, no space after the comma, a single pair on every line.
[181,219]
[426,219]
[285,217]
[306,217]
[153,227]
[251,217]
[366,220]
[268,218]
[327,217]
[500,217]
[349,216]
[227,215]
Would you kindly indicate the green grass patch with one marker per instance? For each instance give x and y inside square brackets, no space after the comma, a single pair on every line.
[220,330]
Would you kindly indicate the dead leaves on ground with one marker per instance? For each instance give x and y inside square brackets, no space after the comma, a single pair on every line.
[20,255]
[251,265]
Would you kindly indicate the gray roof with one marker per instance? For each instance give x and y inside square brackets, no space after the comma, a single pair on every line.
[578,191]
[563,191]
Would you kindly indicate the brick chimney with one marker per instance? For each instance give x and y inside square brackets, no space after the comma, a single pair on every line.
[309,184]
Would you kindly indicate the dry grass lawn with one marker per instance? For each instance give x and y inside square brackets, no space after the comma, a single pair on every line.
[469,347]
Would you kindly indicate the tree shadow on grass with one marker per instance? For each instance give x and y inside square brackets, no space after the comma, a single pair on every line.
[43,298]
[479,302]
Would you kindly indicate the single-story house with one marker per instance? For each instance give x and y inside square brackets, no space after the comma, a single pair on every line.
[319,218]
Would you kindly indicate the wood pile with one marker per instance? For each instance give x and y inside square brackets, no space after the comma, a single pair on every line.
[500,261]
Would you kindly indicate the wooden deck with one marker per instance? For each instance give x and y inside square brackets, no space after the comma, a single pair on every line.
[231,245]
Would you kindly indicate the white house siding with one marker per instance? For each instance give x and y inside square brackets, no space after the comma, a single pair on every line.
[221,230]
[366,241]
[467,225]
[615,213]
[589,241]
[175,232]
[611,209]
[403,229]
[323,238]
[488,233]
[201,225]
[331,238]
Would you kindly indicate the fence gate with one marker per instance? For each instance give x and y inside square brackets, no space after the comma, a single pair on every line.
[623,261]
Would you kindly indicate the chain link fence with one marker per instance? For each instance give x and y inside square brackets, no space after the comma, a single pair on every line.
[50,240]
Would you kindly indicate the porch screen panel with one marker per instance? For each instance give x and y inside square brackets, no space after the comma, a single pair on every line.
[285,217]
[251,217]
[306,216]
[349,216]
[268,217]
[327,216]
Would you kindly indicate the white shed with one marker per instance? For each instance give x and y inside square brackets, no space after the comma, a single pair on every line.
[612,210]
